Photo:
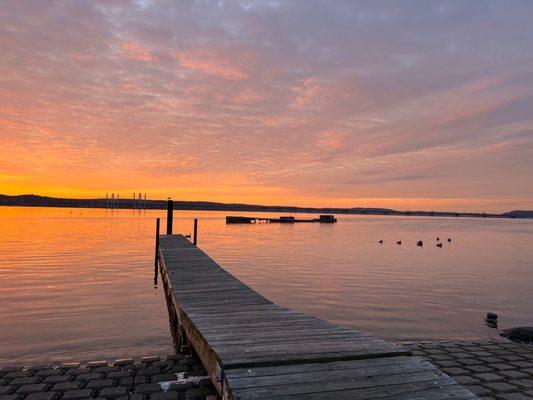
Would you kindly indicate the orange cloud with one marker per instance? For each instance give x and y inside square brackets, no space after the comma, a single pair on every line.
[136,51]
[210,63]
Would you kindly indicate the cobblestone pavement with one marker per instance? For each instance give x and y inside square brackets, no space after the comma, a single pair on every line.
[492,370]
[119,380]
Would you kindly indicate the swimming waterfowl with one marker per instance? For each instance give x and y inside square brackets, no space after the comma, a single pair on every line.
[439,244]
[420,243]
[399,242]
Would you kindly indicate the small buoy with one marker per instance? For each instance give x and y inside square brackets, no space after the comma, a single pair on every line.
[420,243]
[399,242]
[439,244]
[449,239]
[381,241]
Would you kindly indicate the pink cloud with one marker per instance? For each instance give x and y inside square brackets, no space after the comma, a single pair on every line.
[210,63]
[136,51]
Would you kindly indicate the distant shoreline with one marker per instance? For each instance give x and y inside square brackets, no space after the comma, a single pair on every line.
[43,201]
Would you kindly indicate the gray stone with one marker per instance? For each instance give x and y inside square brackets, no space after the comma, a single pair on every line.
[501,387]
[100,384]
[455,371]
[42,396]
[165,396]
[118,374]
[64,386]
[524,383]
[469,361]
[13,375]
[478,368]
[77,394]
[501,367]
[479,390]
[113,392]
[9,397]
[514,374]
[522,364]
[148,371]
[489,377]
[88,377]
[27,389]
[147,388]
[163,377]
[48,372]
[58,379]
[139,380]
[467,380]
[5,390]
[27,380]
[514,396]
[128,382]
[10,368]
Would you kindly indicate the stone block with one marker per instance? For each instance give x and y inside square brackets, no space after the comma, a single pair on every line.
[100,383]
[477,368]
[501,387]
[165,396]
[523,383]
[467,380]
[113,392]
[489,377]
[48,372]
[88,377]
[77,394]
[6,390]
[64,386]
[479,390]
[514,374]
[58,379]
[42,396]
[27,380]
[147,388]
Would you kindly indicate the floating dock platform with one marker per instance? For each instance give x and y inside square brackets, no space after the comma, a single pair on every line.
[254,349]
[325,219]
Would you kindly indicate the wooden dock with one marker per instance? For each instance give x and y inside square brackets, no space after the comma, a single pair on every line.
[254,349]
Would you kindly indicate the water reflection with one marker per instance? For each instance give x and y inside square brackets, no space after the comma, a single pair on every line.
[78,283]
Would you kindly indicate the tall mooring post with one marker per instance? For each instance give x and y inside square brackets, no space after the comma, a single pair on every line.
[195,236]
[157,223]
[170,216]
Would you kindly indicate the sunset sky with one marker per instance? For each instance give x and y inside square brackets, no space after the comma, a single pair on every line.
[402,104]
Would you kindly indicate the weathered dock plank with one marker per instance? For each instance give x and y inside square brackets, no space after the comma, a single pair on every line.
[254,349]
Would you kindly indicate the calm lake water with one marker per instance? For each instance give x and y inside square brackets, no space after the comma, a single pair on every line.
[78,283]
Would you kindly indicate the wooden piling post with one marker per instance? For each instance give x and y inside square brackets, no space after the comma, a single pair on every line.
[170,216]
[157,223]
[195,237]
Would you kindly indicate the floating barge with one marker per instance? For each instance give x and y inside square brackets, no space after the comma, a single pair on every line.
[325,219]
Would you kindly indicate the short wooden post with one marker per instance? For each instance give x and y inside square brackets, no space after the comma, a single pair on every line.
[170,216]
[195,237]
